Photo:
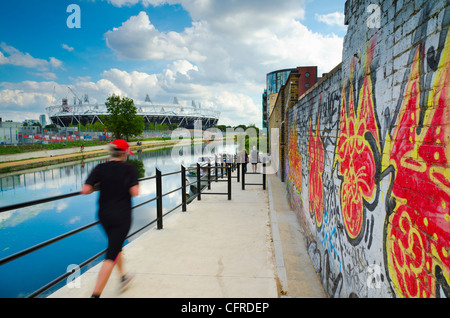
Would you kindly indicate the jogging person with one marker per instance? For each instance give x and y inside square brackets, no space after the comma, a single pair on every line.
[118,182]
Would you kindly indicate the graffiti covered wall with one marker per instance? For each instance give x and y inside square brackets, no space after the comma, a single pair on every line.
[368,155]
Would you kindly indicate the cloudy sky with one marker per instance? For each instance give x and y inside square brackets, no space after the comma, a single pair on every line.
[215,52]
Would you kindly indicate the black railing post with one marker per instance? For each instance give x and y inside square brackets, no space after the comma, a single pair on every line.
[229,181]
[183,189]
[209,175]
[238,170]
[159,198]
[243,176]
[264,174]
[216,169]
[221,169]
[199,183]
[234,163]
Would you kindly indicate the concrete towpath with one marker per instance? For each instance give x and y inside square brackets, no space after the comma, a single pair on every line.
[249,247]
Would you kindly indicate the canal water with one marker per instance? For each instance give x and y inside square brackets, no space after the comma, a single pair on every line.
[26,227]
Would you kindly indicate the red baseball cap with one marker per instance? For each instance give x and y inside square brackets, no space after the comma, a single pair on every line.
[122,145]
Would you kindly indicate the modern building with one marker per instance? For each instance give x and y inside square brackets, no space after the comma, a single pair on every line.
[42,120]
[275,80]
[307,77]
[9,132]
[264,110]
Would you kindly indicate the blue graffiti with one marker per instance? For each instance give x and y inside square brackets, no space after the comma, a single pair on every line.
[329,240]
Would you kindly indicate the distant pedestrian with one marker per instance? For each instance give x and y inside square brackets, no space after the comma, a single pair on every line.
[244,159]
[82,148]
[118,183]
[254,157]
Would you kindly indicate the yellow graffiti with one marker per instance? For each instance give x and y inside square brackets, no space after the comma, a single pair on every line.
[354,153]
[418,232]
[295,161]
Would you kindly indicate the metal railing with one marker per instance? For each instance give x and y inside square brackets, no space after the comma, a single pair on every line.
[263,173]
[228,168]
[159,213]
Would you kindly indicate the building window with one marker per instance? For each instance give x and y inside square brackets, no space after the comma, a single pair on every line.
[307,85]
[307,74]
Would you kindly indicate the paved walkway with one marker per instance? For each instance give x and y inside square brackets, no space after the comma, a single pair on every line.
[249,247]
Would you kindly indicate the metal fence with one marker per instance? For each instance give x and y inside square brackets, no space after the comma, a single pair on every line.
[220,171]
[159,215]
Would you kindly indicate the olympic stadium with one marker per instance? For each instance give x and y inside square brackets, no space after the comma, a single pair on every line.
[173,113]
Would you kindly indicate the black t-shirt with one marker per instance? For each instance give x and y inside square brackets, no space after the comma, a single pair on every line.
[115,179]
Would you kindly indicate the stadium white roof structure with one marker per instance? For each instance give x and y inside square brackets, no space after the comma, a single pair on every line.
[184,116]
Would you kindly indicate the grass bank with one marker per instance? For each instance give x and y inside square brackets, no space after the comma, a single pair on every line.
[10,150]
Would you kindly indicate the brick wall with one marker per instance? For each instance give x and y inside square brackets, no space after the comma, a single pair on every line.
[368,155]
[286,98]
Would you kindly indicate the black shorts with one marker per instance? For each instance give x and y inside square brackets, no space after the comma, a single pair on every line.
[117,233]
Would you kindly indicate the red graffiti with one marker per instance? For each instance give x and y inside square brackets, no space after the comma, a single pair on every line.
[316,166]
[357,166]
[418,231]
[295,161]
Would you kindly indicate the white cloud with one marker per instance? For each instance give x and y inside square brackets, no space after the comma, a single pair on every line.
[121,3]
[17,58]
[23,100]
[3,59]
[67,47]
[137,38]
[237,108]
[227,52]
[129,3]
[55,63]
[231,38]
[134,84]
[333,19]
[47,75]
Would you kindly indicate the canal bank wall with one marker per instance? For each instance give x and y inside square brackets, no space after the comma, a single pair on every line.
[29,160]
[367,161]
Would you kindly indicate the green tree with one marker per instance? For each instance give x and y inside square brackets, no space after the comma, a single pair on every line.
[98,126]
[222,128]
[123,120]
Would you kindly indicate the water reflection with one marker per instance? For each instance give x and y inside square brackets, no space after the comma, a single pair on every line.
[26,227]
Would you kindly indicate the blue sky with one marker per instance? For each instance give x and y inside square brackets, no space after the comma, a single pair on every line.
[213,52]
[40,28]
